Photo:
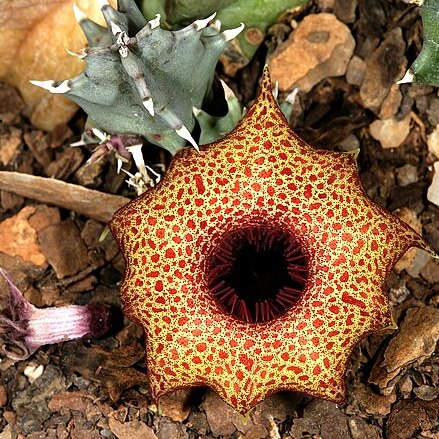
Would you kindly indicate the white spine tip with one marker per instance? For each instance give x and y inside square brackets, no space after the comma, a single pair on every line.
[155,22]
[149,105]
[103,3]
[291,98]
[81,54]
[228,92]
[229,34]
[184,133]
[275,90]
[201,24]
[217,25]
[49,86]
[407,79]
[196,111]
[79,14]
[78,143]
[115,29]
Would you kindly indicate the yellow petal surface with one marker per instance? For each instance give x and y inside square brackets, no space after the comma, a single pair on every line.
[260,175]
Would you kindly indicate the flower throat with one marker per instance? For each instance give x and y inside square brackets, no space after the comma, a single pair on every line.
[257,273]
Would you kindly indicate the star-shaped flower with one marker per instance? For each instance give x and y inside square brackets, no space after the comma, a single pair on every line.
[257,264]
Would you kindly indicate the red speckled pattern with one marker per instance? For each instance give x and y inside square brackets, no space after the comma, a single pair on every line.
[260,173]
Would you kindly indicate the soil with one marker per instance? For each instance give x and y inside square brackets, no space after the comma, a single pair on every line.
[97,388]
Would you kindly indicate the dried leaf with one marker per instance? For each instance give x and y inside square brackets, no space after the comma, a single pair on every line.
[33,42]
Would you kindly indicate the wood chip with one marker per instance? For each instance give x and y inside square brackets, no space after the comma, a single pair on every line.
[324,46]
[91,203]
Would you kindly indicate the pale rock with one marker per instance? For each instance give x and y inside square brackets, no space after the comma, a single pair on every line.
[407,174]
[391,103]
[414,260]
[433,190]
[391,133]
[356,71]
[19,238]
[433,142]
[319,48]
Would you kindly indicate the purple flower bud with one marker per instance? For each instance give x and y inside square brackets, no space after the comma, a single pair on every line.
[25,328]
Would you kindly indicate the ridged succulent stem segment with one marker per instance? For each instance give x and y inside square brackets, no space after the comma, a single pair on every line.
[425,68]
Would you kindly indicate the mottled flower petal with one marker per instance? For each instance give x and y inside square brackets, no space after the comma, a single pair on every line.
[260,180]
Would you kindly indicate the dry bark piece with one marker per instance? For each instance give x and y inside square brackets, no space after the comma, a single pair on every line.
[222,419]
[44,216]
[324,47]
[391,103]
[19,238]
[9,144]
[64,248]
[386,64]
[131,429]
[323,419]
[373,404]
[409,416]
[110,368]
[91,203]
[391,133]
[360,429]
[11,104]
[414,342]
[38,143]
[65,164]
[431,272]
[176,405]
[426,393]
[414,260]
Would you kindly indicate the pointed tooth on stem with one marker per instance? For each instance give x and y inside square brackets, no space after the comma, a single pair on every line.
[201,24]
[79,13]
[184,133]
[229,34]
[407,79]
[81,54]
[196,111]
[155,22]
[48,85]
[115,29]
[228,92]
[149,105]
[217,25]
[103,3]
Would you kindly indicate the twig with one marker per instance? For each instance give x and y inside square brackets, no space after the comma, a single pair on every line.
[93,204]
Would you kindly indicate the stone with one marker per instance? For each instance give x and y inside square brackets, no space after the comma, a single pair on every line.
[319,48]
[385,65]
[433,142]
[356,71]
[64,248]
[433,190]
[406,174]
[391,103]
[176,405]
[391,133]
[131,429]
[19,238]
[414,342]
[431,272]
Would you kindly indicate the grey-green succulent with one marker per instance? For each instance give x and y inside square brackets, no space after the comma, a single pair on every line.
[425,68]
[141,79]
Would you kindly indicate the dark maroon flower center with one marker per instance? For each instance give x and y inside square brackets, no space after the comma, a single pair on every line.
[257,273]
